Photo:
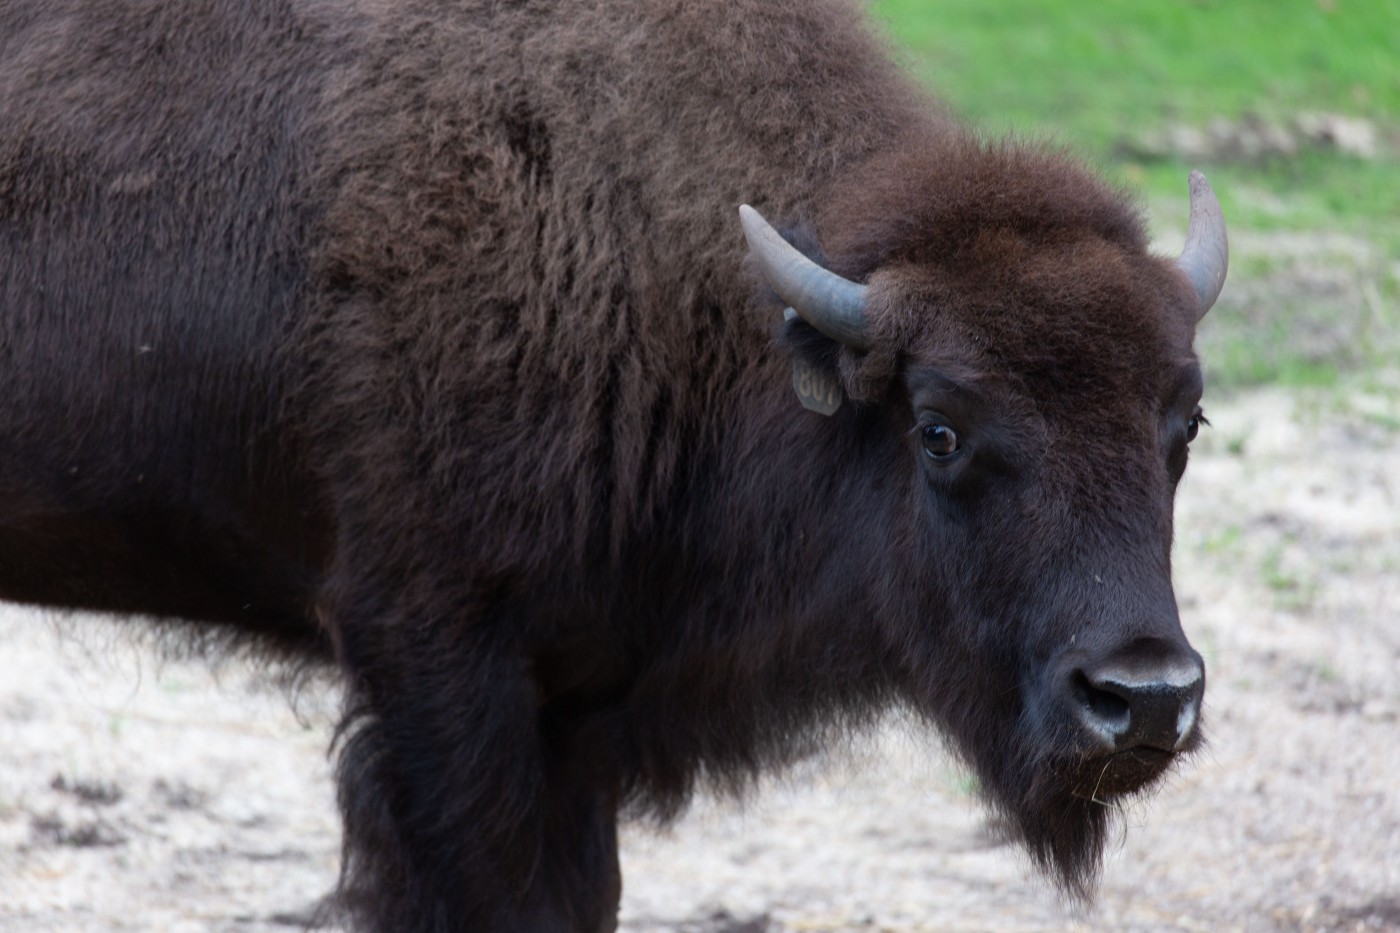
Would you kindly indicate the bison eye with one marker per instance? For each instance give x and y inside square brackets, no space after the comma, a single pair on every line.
[1193,427]
[940,441]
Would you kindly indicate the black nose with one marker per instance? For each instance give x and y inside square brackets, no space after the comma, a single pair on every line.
[1147,695]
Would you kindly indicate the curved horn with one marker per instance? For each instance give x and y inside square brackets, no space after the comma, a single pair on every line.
[1206,256]
[833,305]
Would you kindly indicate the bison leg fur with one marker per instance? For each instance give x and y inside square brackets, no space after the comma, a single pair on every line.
[465,807]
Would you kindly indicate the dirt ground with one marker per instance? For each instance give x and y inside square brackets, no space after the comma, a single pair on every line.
[137,794]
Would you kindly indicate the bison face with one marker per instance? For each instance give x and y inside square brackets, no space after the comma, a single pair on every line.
[1044,392]
[1053,652]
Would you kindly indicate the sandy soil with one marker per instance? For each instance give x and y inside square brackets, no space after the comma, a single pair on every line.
[145,795]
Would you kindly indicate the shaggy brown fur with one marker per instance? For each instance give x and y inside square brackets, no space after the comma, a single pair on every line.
[418,336]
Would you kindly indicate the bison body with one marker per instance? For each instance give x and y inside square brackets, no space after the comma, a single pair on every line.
[422,339]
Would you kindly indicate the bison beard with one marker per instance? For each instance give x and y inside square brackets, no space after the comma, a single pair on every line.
[1061,810]
[427,342]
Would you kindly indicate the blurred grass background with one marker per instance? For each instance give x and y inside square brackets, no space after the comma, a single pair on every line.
[1291,107]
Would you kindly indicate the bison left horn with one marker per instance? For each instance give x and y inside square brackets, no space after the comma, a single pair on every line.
[1206,256]
[833,305]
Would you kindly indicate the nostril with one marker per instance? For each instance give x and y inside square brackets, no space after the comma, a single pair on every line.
[1106,712]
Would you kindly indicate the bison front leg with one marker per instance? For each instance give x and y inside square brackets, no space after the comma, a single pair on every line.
[465,807]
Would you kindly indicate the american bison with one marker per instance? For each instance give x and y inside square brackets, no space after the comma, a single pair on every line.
[429,340]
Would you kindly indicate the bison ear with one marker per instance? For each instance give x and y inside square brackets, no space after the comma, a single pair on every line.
[815,365]
[825,312]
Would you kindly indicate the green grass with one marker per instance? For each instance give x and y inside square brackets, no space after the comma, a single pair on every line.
[1098,77]
[1093,69]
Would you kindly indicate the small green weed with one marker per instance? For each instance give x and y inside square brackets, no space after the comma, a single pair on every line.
[1223,541]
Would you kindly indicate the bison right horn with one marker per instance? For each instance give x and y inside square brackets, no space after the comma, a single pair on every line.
[1206,256]
[832,304]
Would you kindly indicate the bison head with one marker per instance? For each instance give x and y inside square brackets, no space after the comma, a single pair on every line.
[1007,328]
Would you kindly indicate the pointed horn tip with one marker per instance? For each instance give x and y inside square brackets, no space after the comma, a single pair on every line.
[752,219]
[1206,256]
[1206,206]
[1200,189]
[756,229]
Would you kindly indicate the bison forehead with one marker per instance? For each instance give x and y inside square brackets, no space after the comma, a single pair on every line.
[1010,258]
[1080,323]
[928,204]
